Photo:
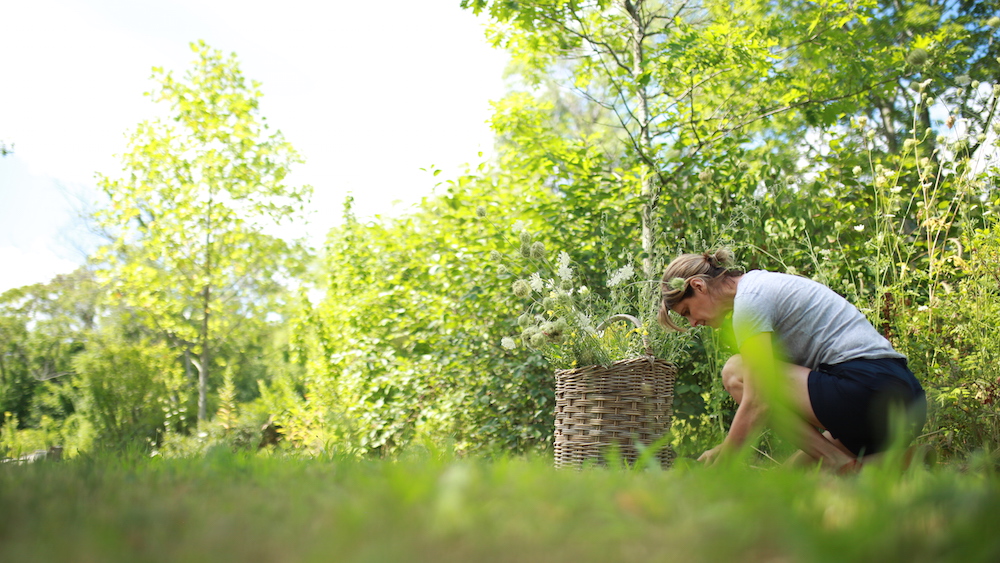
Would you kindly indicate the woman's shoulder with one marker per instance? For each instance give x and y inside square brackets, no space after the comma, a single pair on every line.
[757,282]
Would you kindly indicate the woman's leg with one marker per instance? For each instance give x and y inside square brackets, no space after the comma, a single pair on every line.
[801,428]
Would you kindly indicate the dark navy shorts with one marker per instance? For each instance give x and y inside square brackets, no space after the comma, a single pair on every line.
[857,402]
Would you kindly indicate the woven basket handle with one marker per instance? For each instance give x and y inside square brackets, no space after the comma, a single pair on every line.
[635,321]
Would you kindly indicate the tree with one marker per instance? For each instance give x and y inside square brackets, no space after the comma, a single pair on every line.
[189,215]
[42,328]
[683,81]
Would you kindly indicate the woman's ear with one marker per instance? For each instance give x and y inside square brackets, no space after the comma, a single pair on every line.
[698,285]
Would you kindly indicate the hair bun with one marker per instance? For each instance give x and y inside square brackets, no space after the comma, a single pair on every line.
[724,258]
[719,259]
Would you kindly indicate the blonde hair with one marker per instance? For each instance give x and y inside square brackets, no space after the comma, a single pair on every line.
[714,267]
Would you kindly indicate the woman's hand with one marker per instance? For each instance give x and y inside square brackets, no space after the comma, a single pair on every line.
[711,456]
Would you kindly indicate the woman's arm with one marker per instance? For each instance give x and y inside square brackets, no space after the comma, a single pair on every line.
[759,367]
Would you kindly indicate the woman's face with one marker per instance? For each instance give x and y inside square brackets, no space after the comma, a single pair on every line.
[702,308]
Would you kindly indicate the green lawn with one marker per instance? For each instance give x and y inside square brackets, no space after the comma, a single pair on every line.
[232,508]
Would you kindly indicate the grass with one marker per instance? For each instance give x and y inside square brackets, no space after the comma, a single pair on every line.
[227,507]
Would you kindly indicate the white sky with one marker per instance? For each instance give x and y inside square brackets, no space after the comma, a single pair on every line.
[368,92]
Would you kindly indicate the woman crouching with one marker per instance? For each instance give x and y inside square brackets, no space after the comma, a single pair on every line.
[805,353]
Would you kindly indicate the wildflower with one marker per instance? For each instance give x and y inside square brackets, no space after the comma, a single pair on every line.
[536,282]
[525,237]
[859,228]
[521,289]
[525,250]
[538,250]
[537,340]
[925,84]
[870,134]
[495,255]
[564,272]
[862,121]
[974,85]
[705,175]
[584,291]
[480,211]
[980,138]
[503,270]
[908,144]
[996,90]
[963,80]
[676,284]
[856,170]
[518,227]
[623,274]
[524,321]
[917,57]
[508,343]
[950,121]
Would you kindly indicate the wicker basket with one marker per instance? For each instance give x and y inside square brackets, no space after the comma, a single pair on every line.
[627,402]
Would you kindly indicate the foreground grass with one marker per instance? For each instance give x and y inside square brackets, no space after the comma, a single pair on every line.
[230,508]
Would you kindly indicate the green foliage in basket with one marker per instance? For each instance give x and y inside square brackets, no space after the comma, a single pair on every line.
[564,319]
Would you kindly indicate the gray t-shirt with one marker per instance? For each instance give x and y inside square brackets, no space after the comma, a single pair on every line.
[811,324]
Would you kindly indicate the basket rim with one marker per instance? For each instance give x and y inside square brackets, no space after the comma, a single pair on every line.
[619,363]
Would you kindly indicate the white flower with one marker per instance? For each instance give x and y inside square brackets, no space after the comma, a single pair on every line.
[857,170]
[518,227]
[584,291]
[565,272]
[536,282]
[508,343]
[859,228]
[623,274]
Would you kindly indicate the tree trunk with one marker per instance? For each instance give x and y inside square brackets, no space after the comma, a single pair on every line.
[203,372]
[889,126]
[648,188]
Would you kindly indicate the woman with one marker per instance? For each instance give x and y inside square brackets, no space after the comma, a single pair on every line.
[805,353]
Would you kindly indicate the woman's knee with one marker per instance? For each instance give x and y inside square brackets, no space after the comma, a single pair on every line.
[733,375]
